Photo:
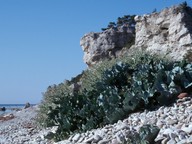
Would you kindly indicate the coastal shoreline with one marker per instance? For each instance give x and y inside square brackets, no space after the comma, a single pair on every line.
[173,120]
[11,108]
[19,127]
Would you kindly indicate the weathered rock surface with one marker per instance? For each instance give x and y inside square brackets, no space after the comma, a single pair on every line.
[167,33]
[106,44]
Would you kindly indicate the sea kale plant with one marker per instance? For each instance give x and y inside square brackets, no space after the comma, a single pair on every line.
[111,92]
[146,135]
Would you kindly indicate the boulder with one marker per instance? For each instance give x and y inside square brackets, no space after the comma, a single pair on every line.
[3,109]
[27,105]
[106,44]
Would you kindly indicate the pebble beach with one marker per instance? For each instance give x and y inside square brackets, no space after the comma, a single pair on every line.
[20,128]
[175,123]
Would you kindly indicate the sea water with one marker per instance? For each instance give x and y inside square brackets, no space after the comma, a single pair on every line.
[9,108]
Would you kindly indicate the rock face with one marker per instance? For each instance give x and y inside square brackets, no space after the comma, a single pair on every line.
[106,44]
[168,32]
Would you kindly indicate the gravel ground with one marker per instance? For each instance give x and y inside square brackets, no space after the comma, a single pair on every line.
[175,123]
[22,129]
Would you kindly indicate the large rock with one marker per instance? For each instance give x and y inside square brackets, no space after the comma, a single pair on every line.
[167,33]
[27,105]
[106,44]
[3,109]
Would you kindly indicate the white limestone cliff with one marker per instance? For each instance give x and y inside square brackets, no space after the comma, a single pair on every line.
[168,33]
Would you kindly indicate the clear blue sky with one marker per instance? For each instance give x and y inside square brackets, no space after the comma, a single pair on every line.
[39,40]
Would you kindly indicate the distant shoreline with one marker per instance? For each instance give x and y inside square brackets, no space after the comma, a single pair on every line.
[11,108]
[14,104]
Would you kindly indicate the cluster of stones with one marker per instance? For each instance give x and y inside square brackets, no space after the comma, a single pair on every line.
[175,123]
[21,128]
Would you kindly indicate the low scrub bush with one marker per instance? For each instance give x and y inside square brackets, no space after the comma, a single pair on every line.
[110,93]
[125,20]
